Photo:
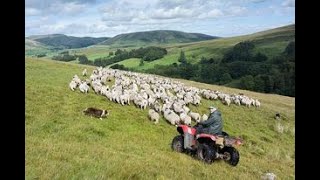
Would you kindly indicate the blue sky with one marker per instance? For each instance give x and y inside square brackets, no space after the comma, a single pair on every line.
[108,18]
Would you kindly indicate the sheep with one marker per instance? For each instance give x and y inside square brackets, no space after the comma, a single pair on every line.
[226,100]
[146,90]
[125,99]
[185,118]
[269,176]
[154,116]
[195,116]
[72,85]
[204,117]
[84,87]
[84,72]
[257,103]
[172,117]
[76,79]
[157,106]
[237,101]
[185,108]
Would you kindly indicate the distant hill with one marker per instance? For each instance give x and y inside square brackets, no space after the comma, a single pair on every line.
[155,37]
[66,42]
[32,44]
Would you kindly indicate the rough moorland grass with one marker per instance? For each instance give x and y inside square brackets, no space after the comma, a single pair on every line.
[62,143]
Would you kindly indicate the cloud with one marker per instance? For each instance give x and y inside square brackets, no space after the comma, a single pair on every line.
[112,17]
[211,14]
[289,3]
[237,10]
[57,7]
[70,8]
[170,4]
[32,12]
[176,12]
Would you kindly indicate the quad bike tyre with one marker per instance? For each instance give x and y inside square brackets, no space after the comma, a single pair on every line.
[225,133]
[232,155]
[177,144]
[206,153]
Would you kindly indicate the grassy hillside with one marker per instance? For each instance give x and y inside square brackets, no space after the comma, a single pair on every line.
[63,41]
[159,37]
[34,48]
[62,143]
[270,42]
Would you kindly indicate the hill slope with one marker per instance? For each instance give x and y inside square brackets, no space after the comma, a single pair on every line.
[33,47]
[270,42]
[155,37]
[63,41]
[62,143]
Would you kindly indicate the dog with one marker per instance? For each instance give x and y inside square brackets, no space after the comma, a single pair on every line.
[95,112]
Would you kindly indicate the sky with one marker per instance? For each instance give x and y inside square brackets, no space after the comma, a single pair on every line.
[108,18]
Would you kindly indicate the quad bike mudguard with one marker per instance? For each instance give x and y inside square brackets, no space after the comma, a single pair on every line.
[188,134]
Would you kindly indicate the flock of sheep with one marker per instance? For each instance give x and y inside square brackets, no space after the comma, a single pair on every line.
[162,95]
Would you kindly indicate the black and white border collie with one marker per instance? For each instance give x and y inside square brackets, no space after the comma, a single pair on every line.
[95,112]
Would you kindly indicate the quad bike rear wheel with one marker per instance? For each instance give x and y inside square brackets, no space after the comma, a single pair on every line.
[231,155]
[177,144]
[206,153]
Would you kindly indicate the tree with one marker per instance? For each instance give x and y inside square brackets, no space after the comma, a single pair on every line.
[141,62]
[83,59]
[259,57]
[182,58]
[118,52]
[242,51]
[247,82]
[111,53]
[290,49]
[225,78]
[258,84]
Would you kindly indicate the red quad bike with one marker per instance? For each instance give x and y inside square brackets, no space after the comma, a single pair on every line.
[206,147]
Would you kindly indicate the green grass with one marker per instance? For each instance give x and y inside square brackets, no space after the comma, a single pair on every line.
[62,143]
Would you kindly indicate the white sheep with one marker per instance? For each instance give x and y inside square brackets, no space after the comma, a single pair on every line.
[84,87]
[204,117]
[185,118]
[154,116]
[257,103]
[172,117]
[72,85]
[269,176]
[84,72]
[195,116]
[237,101]
[157,106]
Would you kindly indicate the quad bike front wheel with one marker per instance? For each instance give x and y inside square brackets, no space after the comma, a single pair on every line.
[206,153]
[231,154]
[177,144]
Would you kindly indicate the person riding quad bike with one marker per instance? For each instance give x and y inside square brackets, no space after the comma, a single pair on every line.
[213,125]
[207,141]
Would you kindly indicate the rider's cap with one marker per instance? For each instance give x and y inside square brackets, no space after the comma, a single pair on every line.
[212,107]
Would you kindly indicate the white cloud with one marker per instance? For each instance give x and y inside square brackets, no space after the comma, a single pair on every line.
[59,7]
[32,12]
[176,12]
[237,10]
[112,17]
[289,3]
[211,14]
